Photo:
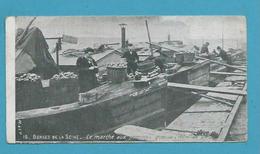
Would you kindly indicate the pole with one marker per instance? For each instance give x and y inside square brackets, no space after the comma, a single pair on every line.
[148,33]
[58,45]
[123,37]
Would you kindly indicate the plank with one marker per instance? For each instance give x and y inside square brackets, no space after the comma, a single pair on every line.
[207,105]
[236,78]
[227,73]
[238,130]
[214,99]
[204,88]
[223,96]
[228,97]
[224,84]
[229,120]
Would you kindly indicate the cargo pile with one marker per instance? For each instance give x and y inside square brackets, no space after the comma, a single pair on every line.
[64,75]
[31,77]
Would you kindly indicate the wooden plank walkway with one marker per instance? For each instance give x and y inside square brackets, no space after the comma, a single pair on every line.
[206,116]
[227,73]
[207,89]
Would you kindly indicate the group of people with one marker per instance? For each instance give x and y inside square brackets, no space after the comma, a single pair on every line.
[87,66]
[220,52]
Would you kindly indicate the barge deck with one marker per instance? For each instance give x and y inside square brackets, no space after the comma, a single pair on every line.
[208,120]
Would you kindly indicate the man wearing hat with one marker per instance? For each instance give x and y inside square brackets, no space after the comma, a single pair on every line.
[131,59]
[87,70]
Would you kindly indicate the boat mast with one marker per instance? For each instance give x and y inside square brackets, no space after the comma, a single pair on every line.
[149,37]
[222,36]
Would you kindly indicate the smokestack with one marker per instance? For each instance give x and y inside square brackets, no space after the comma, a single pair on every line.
[123,34]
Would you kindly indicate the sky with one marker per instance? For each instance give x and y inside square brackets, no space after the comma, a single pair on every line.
[179,27]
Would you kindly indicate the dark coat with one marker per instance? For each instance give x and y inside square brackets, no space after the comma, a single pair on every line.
[87,77]
[204,49]
[132,59]
[223,54]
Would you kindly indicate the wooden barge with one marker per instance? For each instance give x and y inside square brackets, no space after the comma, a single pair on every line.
[122,105]
[218,115]
[208,120]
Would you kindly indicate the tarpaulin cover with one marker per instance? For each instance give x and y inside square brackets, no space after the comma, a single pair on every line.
[32,55]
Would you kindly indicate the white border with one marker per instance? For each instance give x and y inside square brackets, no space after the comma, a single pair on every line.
[10,78]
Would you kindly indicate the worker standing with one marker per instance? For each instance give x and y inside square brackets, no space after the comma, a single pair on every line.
[222,53]
[160,60]
[132,59]
[205,48]
[87,70]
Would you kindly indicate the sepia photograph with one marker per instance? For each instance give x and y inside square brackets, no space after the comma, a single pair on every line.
[126,79]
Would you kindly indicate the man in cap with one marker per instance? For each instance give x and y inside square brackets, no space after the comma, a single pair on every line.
[87,70]
[222,53]
[205,48]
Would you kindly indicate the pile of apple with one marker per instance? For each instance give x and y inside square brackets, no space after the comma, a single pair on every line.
[28,77]
[116,65]
[65,75]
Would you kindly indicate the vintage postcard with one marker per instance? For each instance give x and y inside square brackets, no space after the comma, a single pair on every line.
[126,79]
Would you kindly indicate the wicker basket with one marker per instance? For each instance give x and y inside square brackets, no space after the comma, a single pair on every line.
[116,75]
